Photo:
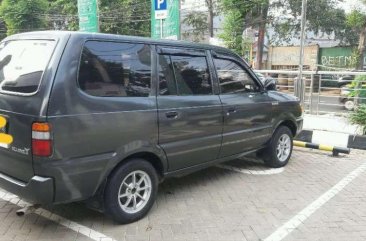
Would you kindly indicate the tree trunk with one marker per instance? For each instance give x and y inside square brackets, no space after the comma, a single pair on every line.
[361,48]
[260,46]
[210,17]
[261,33]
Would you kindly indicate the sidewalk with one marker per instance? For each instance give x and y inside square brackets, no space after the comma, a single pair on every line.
[332,130]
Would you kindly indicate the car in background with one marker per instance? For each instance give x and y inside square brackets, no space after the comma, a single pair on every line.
[348,99]
[345,80]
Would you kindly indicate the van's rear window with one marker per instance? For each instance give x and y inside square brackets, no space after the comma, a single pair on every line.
[22,63]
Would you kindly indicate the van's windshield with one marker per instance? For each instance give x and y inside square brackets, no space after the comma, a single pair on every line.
[22,63]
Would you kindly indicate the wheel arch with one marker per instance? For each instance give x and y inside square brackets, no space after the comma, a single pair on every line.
[150,157]
[291,124]
[158,162]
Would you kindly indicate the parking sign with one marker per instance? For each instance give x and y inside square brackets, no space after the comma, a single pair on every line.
[160,5]
[161,11]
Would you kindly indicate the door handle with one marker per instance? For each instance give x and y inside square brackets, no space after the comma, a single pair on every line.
[171,115]
[231,110]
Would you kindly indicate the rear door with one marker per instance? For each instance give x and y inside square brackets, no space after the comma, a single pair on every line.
[190,115]
[22,66]
[247,108]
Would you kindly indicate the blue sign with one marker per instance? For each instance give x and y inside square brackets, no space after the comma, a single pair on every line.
[160,5]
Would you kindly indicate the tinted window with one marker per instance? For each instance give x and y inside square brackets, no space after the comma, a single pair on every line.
[191,75]
[22,63]
[115,69]
[167,85]
[233,78]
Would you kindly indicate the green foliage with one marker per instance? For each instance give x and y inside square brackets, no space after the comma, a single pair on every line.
[356,19]
[240,15]
[198,22]
[128,17]
[323,16]
[358,117]
[2,29]
[65,12]
[23,15]
[232,31]
[358,87]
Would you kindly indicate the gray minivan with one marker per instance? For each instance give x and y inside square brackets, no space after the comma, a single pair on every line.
[105,117]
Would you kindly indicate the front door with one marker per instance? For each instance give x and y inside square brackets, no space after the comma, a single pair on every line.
[190,115]
[247,108]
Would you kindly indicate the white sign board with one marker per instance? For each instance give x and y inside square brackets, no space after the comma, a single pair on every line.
[161,10]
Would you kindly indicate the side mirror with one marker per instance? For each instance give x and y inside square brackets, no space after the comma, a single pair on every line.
[270,84]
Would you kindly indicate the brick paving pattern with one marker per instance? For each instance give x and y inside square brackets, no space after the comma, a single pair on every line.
[221,204]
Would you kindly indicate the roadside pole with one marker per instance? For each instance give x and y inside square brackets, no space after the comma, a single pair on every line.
[300,82]
[161,29]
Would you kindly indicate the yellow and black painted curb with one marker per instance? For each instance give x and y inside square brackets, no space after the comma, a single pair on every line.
[353,141]
[335,150]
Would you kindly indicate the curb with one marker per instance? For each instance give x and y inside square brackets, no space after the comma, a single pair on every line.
[334,149]
[337,139]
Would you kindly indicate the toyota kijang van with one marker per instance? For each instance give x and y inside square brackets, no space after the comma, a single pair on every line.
[100,117]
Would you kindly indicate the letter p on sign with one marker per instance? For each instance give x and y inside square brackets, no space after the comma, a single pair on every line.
[160,4]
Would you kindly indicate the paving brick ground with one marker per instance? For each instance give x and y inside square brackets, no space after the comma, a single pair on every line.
[220,204]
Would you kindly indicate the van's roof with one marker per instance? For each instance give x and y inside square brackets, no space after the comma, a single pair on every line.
[60,34]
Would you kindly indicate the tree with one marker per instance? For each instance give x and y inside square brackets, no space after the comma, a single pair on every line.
[129,17]
[62,15]
[2,29]
[247,14]
[357,21]
[202,22]
[23,15]
[323,16]
[232,31]
[198,22]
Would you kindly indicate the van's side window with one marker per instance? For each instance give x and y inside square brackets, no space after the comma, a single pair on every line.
[191,75]
[167,84]
[115,69]
[233,78]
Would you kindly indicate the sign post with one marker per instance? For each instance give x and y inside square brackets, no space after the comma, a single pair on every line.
[88,15]
[165,19]
[161,13]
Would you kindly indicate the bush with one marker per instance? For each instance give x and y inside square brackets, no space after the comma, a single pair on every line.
[360,85]
[358,117]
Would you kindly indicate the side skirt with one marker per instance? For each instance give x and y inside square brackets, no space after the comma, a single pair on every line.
[188,170]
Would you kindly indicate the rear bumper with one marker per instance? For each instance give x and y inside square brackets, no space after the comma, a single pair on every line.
[39,190]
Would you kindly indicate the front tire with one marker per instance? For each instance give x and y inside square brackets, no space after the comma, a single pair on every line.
[131,191]
[279,150]
[349,105]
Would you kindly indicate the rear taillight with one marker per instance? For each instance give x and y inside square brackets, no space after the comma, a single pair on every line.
[41,139]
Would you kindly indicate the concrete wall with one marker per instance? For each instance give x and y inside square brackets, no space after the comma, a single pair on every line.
[290,56]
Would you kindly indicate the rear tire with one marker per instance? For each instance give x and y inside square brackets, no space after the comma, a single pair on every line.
[131,191]
[279,149]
